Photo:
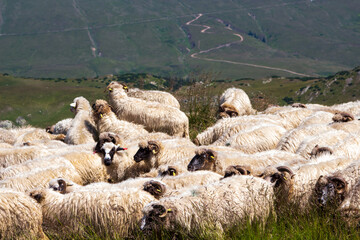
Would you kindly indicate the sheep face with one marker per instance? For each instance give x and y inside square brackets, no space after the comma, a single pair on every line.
[147,151]
[317,151]
[330,190]
[343,117]
[107,137]
[100,108]
[115,85]
[38,195]
[108,150]
[225,112]
[155,216]
[60,185]
[298,105]
[203,160]
[236,170]
[155,188]
[170,171]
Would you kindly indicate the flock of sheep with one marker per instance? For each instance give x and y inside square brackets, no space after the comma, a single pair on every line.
[129,164]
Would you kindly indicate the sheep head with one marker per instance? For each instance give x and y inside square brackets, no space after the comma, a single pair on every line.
[108,150]
[50,129]
[279,176]
[237,170]
[60,185]
[316,151]
[226,110]
[80,103]
[298,105]
[155,188]
[116,85]
[37,194]
[331,190]
[107,137]
[343,117]
[147,150]
[100,108]
[156,216]
[204,159]
[169,171]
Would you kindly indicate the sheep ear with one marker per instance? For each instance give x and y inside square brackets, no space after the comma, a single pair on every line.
[97,147]
[154,147]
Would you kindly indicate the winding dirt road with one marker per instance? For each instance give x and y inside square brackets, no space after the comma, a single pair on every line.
[195,55]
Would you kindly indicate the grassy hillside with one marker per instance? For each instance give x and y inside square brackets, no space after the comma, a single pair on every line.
[76,38]
[43,102]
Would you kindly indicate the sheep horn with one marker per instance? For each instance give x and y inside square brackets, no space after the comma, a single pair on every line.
[285,169]
[340,183]
[62,186]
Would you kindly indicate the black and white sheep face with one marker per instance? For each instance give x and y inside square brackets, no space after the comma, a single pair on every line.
[202,161]
[108,150]
[155,217]
[330,190]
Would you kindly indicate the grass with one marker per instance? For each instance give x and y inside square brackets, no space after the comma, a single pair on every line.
[51,40]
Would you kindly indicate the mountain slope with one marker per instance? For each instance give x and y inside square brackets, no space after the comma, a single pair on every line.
[75,38]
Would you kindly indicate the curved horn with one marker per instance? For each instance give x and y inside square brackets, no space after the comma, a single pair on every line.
[155,188]
[285,169]
[340,183]
[62,186]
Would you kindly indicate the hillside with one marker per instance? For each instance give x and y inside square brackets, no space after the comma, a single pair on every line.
[45,101]
[234,38]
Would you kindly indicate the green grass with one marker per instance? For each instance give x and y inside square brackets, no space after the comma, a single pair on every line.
[315,38]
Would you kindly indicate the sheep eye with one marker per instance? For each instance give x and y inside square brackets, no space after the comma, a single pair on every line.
[55,189]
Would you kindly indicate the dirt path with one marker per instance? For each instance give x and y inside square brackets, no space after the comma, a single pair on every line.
[195,55]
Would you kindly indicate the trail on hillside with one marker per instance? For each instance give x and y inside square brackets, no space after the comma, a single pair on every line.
[195,55]
[84,18]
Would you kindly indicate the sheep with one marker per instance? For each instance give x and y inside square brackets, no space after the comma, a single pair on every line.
[110,214]
[256,139]
[60,127]
[82,129]
[332,189]
[107,121]
[37,134]
[229,126]
[218,161]
[349,107]
[349,208]
[318,117]
[343,117]
[27,166]
[39,177]
[317,151]
[175,185]
[329,139]
[157,153]
[348,147]
[294,116]
[217,206]
[298,189]
[350,127]
[10,135]
[291,140]
[154,96]
[154,116]
[20,216]
[16,155]
[235,102]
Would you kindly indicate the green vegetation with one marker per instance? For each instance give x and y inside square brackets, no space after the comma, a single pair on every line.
[76,38]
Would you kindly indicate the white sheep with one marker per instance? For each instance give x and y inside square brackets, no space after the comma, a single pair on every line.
[235,102]
[60,127]
[154,116]
[256,139]
[218,161]
[227,127]
[291,140]
[328,139]
[298,189]
[154,96]
[10,135]
[318,117]
[39,177]
[82,128]
[20,216]
[217,206]
[36,135]
[108,213]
